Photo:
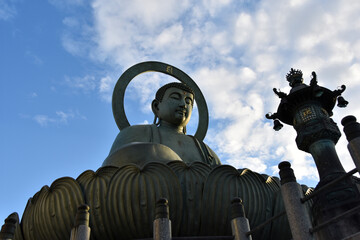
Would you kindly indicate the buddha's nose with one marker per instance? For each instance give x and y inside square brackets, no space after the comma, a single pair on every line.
[182,103]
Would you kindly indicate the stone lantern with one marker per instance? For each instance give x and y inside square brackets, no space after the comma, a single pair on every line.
[308,108]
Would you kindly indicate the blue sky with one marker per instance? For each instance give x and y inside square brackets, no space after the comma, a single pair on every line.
[60,60]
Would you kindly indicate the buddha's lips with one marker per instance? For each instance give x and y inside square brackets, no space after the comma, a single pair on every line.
[181,111]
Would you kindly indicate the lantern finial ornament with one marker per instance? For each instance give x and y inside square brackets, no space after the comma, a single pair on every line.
[294,77]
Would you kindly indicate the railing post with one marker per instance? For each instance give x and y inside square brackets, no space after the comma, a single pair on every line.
[8,229]
[296,212]
[81,230]
[162,223]
[352,132]
[239,223]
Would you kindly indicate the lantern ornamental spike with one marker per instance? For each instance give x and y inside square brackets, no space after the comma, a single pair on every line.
[277,125]
[279,93]
[271,115]
[313,81]
[342,102]
[339,91]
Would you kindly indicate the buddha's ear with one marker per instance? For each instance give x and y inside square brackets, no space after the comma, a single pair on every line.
[155,106]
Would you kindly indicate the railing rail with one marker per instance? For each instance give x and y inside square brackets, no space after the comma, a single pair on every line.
[262,225]
[334,219]
[328,185]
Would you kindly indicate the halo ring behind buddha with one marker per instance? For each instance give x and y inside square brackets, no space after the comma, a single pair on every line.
[152,66]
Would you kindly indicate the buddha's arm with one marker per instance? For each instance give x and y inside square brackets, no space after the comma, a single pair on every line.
[216,158]
[136,133]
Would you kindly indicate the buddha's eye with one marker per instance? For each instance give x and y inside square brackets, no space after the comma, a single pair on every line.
[188,101]
[175,96]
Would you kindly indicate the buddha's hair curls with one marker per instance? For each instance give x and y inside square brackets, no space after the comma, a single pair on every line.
[160,93]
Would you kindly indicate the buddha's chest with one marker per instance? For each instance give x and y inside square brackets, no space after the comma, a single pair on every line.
[185,147]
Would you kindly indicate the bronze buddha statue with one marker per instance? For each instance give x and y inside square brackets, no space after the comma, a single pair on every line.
[166,139]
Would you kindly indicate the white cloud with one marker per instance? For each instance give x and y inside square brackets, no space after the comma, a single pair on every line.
[132,25]
[243,28]
[149,14]
[169,36]
[220,42]
[236,51]
[214,7]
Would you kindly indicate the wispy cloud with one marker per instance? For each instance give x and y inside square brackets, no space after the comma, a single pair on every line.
[60,117]
[33,95]
[93,84]
[34,58]
[7,10]
[86,83]
[106,87]
[66,4]
[44,120]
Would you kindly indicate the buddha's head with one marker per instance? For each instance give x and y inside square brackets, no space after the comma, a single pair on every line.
[173,104]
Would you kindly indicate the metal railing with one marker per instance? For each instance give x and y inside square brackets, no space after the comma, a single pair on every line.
[309,229]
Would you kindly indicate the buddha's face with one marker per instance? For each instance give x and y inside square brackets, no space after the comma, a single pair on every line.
[175,107]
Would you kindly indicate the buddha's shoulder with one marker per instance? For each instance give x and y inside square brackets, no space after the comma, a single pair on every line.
[131,134]
[136,133]
[137,128]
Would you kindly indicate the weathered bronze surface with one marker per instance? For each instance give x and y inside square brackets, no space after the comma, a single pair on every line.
[10,227]
[140,153]
[122,202]
[50,213]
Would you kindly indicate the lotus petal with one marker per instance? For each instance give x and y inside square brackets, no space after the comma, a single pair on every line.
[192,179]
[50,213]
[95,187]
[131,198]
